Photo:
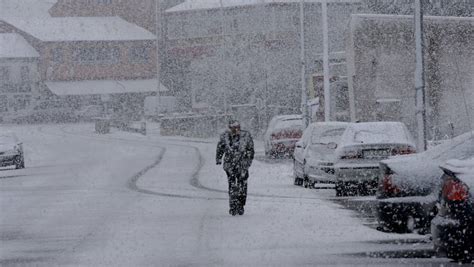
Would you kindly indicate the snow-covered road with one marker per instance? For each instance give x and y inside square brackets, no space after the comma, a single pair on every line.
[124,199]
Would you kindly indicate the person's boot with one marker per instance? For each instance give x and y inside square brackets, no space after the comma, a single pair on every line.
[241,210]
[233,212]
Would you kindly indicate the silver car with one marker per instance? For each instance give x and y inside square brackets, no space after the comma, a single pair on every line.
[362,147]
[314,153]
[11,151]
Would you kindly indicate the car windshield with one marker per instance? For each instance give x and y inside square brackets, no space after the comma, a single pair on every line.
[326,136]
[376,133]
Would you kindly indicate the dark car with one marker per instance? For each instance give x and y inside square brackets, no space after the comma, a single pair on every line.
[407,188]
[453,227]
[11,151]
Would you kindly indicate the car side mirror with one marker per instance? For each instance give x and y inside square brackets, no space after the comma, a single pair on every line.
[332,145]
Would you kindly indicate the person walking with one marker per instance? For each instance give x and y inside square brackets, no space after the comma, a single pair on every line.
[236,146]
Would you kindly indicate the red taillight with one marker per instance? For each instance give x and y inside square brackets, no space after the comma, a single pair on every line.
[454,190]
[389,188]
[403,151]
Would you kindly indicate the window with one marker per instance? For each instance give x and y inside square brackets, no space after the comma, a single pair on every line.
[57,55]
[24,74]
[3,103]
[21,102]
[97,55]
[4,75]
[139,54]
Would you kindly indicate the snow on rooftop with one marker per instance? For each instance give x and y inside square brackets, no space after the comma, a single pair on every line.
[25,8]
[212,4]
[102,87]
[81,29]
[13,45]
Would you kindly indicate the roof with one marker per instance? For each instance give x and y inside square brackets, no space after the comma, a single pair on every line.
[189,5]
[13,45]
[80,29]
[104,87]
[25,8]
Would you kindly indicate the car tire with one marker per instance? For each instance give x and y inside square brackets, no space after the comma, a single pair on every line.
[19,162]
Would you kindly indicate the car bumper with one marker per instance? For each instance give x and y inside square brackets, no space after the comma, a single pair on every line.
[356,173]
[283,146]
[451,236]
[7,160]
[321,174]
[396,211]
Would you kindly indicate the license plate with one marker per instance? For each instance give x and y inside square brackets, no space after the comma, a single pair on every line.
[376,153]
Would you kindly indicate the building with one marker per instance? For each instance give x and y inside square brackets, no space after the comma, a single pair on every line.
[88,60]
[225,54]
[139,12]
[19,76]
[382,66]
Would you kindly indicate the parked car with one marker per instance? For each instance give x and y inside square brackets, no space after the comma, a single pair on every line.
[362,147]
[11,151]
[282,134]
[407,189]
[453,227]
[314,153]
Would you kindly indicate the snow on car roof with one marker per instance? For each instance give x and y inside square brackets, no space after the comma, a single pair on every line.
[464,170]
[376,133]
[289,124]
[422,169]
[7,138]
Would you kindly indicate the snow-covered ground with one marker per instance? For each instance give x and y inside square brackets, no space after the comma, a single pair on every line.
[124,199]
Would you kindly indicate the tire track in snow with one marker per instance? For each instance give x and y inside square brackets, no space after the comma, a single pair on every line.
[194,181]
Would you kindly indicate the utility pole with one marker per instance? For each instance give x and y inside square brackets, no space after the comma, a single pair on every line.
[420,100]
[304,97]
[223,48]
[158,16]
[327,91]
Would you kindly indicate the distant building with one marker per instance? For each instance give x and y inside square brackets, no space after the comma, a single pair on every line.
[19,76]
[232,53]
[140,12]
[90,59]
[381,57]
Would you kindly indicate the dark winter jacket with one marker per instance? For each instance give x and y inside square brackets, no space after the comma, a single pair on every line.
[238,152]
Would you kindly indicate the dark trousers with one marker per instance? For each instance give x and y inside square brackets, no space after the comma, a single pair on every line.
[237,188]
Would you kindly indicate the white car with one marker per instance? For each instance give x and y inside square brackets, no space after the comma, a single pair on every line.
[362,147]
[11,151]
[282,133]
[314,153]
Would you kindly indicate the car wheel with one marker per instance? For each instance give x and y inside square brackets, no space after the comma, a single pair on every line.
[19,162]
